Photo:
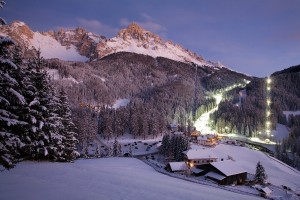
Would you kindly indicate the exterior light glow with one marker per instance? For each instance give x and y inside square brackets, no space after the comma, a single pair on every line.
[269,80]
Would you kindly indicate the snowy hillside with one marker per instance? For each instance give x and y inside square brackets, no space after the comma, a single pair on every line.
[167,50]
[51,48]
[108,178]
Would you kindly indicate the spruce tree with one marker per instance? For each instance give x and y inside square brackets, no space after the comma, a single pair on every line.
[68,129]
[165,145]
[260,174]
[116,148]
[12,102]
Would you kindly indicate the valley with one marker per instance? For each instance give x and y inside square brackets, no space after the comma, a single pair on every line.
[128,109]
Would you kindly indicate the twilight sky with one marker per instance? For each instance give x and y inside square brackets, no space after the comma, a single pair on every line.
[256,37]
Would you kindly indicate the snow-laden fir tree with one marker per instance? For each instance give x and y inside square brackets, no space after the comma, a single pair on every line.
[68,128]
[260,174]
[165,145]
[47,142]
[97,152]
[116,148]
[11,102]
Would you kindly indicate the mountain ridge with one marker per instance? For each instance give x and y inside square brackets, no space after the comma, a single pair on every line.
[86,45]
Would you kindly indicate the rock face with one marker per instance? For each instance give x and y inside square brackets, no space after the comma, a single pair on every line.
[131,39]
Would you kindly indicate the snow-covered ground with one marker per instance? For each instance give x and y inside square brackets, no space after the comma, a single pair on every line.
[287,113]
[136,146]
[278,173]
[120,103]
[106,178]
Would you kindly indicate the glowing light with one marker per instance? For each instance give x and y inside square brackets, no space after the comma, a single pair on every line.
[268,113]
[268,88]
[268,102]
[268,123]
[269,80]
[191,164]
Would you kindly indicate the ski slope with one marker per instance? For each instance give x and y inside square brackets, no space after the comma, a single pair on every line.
[106,178]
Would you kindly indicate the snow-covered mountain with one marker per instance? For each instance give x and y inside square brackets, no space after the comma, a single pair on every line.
[80,45]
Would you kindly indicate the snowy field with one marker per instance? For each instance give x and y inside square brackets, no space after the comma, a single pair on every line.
[106,178]
[278,173]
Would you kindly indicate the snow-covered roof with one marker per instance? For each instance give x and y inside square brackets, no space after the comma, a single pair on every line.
[215,175]
[196,170]
[194,154]
[228,167]
[178,166]
[266,190]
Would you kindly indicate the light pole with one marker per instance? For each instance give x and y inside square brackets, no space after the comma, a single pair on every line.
[268,125]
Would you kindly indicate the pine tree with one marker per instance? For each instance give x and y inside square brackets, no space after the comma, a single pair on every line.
[97,152]
[68,129]
[116,148]
[260,174]
[12,102]
[86,151]
[165,145]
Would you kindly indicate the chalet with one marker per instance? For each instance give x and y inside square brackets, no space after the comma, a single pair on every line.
[198,157]
[226,173]
[207,140]
[177,167]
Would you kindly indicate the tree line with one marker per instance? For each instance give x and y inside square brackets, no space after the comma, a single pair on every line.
[35,119]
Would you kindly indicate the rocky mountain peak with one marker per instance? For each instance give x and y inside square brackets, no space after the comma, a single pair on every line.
[134,31]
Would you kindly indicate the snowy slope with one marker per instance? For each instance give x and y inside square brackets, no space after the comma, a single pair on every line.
[278,173]
[107,178]
[166,50]
[51,48]
[294,113]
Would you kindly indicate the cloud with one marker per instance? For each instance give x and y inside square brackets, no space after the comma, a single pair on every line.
[97,26]
[148,23]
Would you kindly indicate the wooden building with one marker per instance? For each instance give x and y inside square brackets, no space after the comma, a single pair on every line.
[198,157]
[177,167]
[227,173]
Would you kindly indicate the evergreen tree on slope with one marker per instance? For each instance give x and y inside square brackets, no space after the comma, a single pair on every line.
[68,130]
[260,174]
[11,102]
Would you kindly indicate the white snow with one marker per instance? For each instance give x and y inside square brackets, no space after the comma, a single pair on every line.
[280,133]
[278,173]
[215,175]
[228,167]
[193,154]
[106,178]
[51,48]
[100,77]
[53,73]
[294,113]
[120,103]
[166,50]
[178,166]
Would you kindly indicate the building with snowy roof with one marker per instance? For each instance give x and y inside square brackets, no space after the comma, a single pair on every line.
[207,140]
[198,157]
[178,167]
[227,172]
